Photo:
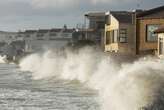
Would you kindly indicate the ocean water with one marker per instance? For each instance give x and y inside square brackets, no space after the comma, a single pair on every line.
[120,85]
[86,79]
[18,91]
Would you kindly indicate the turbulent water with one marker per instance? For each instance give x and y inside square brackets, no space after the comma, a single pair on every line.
[82,80]
[18,91]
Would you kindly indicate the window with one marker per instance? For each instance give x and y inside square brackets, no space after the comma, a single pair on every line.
[40,35]
[115,36]
[65,35]
[150,36]
[27,35]
[123,36]
[107,37]
[100,25]
[53,34]
[112,36]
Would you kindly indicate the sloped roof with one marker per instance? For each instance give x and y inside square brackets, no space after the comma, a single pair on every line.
[151,11]
[68,30]
[30,31]
[122,16]
[56,30]
[91,14]
[43,30]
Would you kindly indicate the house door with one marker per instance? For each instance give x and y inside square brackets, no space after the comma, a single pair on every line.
[161,46]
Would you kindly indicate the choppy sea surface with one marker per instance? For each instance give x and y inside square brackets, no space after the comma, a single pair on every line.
[18,91]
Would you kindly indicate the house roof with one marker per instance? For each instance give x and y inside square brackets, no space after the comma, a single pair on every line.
[56,30]
[122,16]
[94,14]
[43,30]
[160,30]
[86,30]
[30,31]
[68,30]
[150,11]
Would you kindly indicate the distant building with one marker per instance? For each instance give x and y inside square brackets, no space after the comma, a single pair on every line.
[146,23]
[38,40]
[119,32]
[9,43]
[160,33]
[8,37]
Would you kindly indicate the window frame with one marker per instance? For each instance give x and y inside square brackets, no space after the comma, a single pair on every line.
[146,37]
[107,37]
[115,36]
[123,33]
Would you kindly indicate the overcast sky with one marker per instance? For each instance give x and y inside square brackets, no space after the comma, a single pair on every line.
[33,14]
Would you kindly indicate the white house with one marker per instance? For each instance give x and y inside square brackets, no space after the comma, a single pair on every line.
[38,40]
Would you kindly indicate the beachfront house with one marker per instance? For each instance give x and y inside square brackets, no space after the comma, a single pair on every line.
[119,32]
[146,23]
[94,28]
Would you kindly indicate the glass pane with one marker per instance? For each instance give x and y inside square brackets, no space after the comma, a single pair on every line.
[112,36]
[122,35]
[123,31]
[107,37]
[150,32]
[123,40]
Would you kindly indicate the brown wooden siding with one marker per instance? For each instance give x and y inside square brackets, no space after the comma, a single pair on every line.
[143,45]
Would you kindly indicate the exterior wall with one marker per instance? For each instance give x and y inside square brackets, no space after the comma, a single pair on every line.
[130,46]
[114,24]
[125,48]
[144,47]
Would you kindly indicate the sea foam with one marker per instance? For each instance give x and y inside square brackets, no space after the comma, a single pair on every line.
[121,86]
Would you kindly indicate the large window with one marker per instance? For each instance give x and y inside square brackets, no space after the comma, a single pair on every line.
[150,36]
[52,34]
[111,36]
[107,37]
[27,35]
[40,35]
[123,36]
[65,35]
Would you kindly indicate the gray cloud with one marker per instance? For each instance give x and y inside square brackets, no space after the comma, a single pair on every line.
[20,14]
